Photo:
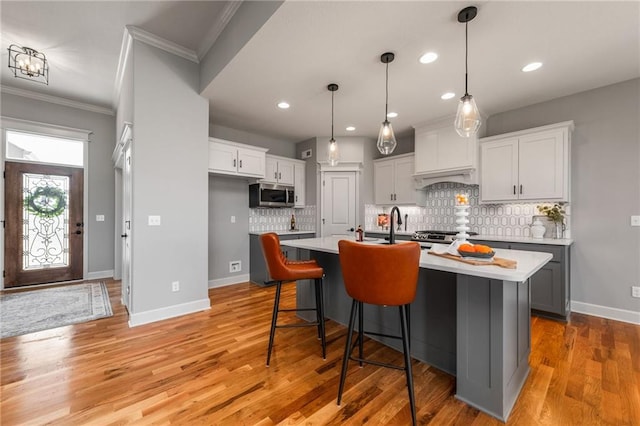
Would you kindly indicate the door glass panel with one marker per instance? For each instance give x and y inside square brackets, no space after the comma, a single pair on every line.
[44,149]
[45,221]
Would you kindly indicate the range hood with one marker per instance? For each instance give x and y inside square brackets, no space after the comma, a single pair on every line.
[467,176]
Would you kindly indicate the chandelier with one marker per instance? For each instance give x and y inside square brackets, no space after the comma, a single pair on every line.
[29,64]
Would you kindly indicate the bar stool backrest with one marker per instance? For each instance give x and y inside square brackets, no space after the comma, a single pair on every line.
[273,256]
[380,274]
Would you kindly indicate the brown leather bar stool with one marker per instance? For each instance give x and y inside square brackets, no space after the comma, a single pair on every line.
[379,275]
[285,271]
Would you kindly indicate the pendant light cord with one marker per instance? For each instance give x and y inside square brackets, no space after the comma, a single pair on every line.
[386,96]
[466,57]
[332,115]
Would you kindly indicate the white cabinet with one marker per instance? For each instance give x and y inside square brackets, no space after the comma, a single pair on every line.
[231,158]
[393,180]
[530,165]
[443,155]
[299,182]
[279,170]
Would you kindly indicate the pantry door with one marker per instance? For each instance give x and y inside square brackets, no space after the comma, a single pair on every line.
[339,204]
[44,224]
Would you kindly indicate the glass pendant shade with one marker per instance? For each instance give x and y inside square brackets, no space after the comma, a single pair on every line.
[468,119]
[386,139]
[333,155]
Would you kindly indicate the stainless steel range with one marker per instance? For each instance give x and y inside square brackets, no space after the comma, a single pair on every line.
[426,238]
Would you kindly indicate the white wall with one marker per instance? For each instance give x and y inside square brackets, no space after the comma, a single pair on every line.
[169,172]
[101,175]
[605,164]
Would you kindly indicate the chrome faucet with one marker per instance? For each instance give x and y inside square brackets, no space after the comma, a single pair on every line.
[392,230]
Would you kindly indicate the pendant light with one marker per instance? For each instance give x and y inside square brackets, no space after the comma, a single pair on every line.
[467,120]
[386,139]
[333,154]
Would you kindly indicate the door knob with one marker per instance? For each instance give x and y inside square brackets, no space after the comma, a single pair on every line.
[351,229]
[79,224]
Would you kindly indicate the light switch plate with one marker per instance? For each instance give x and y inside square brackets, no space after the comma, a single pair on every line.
[635,220]
[154,220]
[99,218]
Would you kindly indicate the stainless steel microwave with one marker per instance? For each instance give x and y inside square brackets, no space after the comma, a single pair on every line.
[271,195]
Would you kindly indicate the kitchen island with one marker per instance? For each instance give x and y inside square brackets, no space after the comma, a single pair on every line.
[470,321]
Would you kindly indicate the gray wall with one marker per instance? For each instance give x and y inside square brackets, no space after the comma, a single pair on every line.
[169,166]
[101,174]
[248,19]
[229,196]
[605,162]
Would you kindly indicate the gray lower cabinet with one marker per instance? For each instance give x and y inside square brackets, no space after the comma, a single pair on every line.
[550,286]
[258,267]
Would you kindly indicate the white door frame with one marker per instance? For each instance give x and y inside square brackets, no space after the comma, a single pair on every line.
[52,130]
[323,169]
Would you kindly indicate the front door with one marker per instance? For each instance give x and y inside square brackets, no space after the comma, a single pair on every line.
[44,224]
[339,203]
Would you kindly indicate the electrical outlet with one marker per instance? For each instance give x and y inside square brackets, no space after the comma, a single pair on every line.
[635,220]
[235,266]
[99,218]
[635,291]
[233,219]
[175,286]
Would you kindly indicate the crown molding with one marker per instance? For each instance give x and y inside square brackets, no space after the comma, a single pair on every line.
[161,43]
[55,100]
[125,48]
[217,27]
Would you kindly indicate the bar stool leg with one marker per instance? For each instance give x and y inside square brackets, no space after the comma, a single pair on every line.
[347,350]
[274,319]
[361,332]
[323,335]
[407,360]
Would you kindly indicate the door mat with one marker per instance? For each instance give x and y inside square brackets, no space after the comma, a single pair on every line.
[29,311]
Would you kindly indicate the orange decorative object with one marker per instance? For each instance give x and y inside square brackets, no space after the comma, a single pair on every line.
[467,247]
[479,248]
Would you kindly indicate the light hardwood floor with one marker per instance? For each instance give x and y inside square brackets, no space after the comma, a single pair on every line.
[209,368]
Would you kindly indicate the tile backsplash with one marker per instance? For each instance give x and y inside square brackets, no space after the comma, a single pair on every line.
[280,219]
[508,220]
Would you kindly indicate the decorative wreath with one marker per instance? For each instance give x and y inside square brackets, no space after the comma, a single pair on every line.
[46,201]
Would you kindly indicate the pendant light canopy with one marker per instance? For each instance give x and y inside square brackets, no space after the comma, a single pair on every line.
[468,119]
[386,139]
[333,154]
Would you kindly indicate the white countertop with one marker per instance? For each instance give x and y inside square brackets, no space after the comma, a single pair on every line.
[527,240]
[529,262]
[296,232]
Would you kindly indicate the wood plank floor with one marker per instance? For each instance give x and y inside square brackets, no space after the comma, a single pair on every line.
[209,368]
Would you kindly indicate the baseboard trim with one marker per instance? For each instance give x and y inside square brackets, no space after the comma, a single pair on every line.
[606,312]
[100,274]
[222,282]
[168,312]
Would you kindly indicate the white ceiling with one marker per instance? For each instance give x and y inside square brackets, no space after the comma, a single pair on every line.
[306,45]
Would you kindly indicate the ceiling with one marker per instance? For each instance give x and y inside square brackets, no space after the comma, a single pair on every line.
[306,45]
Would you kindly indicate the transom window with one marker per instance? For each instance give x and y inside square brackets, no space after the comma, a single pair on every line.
[44,149]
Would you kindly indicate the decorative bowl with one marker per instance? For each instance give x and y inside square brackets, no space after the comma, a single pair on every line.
[475,255]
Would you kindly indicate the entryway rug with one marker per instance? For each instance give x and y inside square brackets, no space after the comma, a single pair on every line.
[46,308]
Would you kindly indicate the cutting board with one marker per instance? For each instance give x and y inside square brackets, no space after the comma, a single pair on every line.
[498,261]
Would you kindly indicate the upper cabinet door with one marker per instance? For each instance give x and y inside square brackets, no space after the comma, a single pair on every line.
[299,184]
[383,181]
[542,171]
[222,157]
[285,172]
[251,162]
[405,192]
[271,170]
[441,149]
[499,172]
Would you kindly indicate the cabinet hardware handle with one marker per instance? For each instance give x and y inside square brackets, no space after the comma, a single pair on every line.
[514,190]
[240,163]
[279,175]
[296,198]
[521,189]
[275,175]
[323,221]
[390,197]
[234,162]
[124,235]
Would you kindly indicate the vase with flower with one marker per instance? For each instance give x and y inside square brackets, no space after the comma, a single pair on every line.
[556,214]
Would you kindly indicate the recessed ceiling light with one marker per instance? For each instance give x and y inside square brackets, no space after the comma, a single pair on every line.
[392,115]
[428,57]
[350,129]
[447,95]
[531,67]
[283,105]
